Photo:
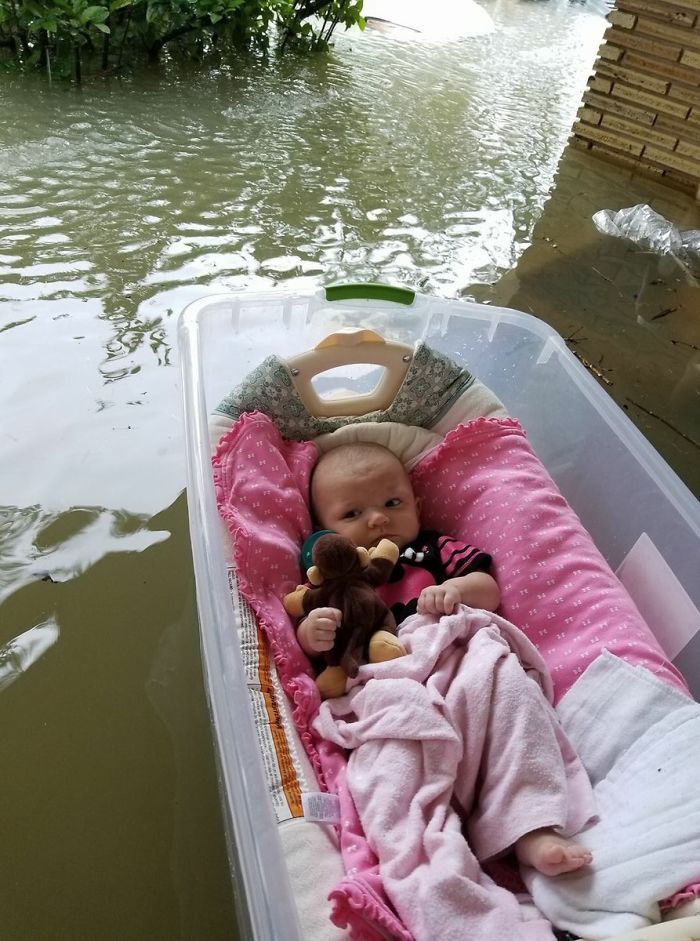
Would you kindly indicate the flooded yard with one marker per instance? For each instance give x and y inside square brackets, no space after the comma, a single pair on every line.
[431,163]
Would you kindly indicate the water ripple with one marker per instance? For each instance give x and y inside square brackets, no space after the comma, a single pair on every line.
[38,544]
[421,163]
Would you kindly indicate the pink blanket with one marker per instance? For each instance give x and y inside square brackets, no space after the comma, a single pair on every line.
[457,720]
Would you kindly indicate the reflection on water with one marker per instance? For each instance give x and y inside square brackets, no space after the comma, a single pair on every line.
[441,20]
[38,544]
[114,831]
[427,163]
[18,654]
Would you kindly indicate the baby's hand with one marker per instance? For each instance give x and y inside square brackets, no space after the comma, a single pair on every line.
[439,599]
[316,634]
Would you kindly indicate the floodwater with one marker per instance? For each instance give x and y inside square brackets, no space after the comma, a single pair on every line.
[391,158]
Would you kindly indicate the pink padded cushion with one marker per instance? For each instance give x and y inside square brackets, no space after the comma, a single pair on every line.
[262,490]
[484,484]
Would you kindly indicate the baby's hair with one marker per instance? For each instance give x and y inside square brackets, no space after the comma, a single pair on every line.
[353,453]
[349,457]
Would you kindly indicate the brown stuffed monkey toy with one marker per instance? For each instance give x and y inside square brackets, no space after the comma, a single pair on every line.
[345,577]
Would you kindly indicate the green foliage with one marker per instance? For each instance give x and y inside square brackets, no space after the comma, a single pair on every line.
[50,33]
[296,14]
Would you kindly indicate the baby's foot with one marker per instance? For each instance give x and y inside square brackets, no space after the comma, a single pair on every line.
[551,854]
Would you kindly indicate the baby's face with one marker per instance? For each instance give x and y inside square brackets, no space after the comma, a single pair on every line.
[368,502]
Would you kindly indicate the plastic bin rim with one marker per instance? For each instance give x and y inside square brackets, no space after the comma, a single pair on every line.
[605,405]
[192,313]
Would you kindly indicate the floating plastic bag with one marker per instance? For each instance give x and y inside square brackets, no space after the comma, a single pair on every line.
[651,231]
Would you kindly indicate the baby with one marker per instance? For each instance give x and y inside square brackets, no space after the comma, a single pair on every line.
[362,491]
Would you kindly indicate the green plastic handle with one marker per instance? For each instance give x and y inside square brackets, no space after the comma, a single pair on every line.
[371,291]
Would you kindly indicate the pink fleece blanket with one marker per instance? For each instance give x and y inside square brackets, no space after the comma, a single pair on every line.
[483,484]
[457,721]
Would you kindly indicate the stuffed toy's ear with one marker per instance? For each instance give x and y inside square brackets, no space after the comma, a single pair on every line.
[314,575]
[363,556]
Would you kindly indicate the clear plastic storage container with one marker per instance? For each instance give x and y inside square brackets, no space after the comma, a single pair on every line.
[625,494]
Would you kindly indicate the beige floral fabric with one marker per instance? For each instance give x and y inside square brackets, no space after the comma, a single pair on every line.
[431,386]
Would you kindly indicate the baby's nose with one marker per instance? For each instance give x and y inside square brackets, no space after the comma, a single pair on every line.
[378,518]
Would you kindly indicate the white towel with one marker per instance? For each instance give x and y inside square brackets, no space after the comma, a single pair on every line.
[639,739]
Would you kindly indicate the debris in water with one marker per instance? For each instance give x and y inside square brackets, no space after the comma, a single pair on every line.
[652,232]
[648,411]
[664,313]
[45,576]
[594,369]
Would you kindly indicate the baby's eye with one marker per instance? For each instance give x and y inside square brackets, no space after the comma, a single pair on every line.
[395,501]
[351,515]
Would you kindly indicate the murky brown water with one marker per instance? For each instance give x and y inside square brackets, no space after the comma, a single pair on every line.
[431,164]
[632,316]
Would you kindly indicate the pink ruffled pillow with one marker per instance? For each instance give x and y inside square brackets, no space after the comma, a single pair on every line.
[484,484]
[262,489]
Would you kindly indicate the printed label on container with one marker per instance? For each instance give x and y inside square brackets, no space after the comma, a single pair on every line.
[320,807]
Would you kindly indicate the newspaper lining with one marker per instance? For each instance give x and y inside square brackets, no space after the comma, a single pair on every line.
[278,752]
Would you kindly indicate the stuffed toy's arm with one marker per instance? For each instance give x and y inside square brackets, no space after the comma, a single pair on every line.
[295,602]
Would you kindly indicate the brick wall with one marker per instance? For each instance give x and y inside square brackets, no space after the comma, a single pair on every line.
[642,104]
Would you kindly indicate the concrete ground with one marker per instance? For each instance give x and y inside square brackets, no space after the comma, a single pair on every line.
[631,316]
